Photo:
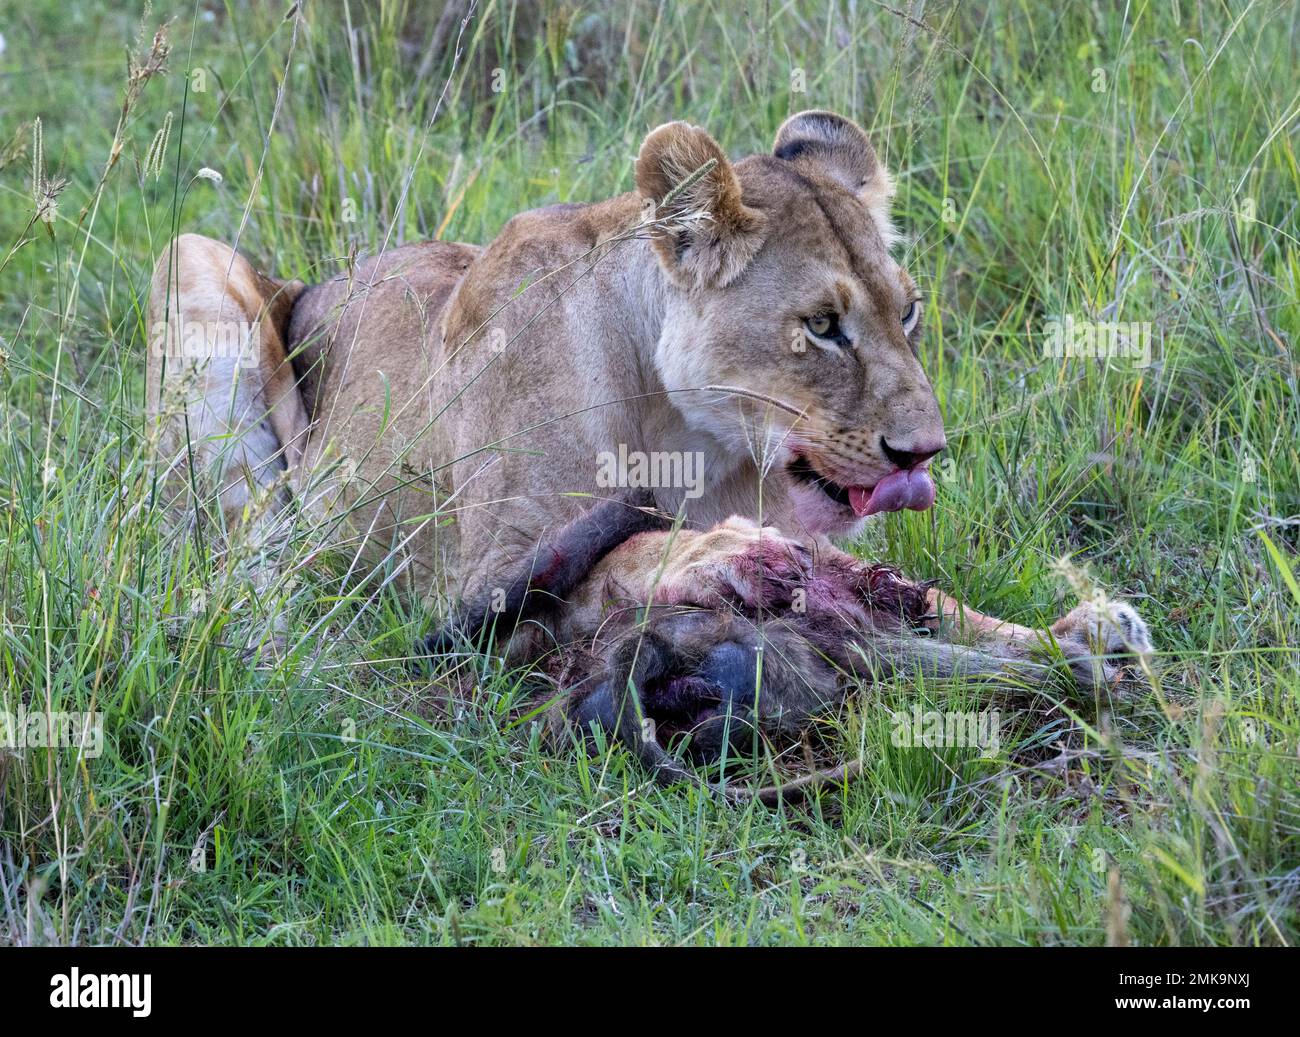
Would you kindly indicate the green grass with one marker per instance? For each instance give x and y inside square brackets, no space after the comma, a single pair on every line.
[323,799]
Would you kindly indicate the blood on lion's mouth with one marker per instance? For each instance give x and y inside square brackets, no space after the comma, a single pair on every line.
[910,488]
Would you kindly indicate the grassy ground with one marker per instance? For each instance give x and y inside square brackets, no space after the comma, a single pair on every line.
[1052,159]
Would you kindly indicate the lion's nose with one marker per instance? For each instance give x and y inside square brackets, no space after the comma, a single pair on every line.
[913,456]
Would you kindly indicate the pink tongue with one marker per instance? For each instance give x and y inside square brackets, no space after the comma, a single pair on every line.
[904,489]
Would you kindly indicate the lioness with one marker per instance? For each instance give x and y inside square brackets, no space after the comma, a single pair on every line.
[448,404]
[484,384]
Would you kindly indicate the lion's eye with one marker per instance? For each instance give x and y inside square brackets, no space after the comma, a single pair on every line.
[911,315]
[824,325]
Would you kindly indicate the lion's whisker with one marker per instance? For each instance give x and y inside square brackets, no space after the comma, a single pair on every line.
[736,390]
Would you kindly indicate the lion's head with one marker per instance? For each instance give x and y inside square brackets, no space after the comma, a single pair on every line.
[787,291]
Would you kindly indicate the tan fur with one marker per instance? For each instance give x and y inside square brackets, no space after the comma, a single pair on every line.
[245,418]
[704,232]
[825,145]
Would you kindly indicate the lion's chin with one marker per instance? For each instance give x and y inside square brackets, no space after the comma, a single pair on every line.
[821,515]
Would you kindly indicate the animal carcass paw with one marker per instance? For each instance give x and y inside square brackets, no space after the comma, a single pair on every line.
[1097,637]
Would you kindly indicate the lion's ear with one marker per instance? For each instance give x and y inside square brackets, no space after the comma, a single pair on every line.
[830,146]
[704,234]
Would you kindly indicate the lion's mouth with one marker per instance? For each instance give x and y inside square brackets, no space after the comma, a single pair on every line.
[910,488]
[802,470]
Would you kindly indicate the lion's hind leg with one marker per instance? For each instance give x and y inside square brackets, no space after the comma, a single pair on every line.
[226,420]
[220,391]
